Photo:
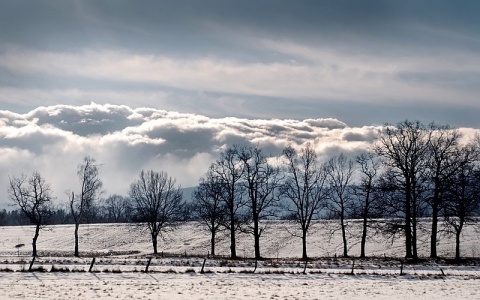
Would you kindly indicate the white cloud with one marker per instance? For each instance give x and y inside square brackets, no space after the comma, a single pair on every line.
[124,140]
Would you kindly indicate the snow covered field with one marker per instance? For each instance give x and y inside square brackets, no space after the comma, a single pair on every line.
[229,286]
[122,252]
[276,241]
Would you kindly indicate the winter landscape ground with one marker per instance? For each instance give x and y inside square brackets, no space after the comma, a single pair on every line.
[122,252]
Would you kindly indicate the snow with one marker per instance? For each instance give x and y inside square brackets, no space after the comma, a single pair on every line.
[228,286]
[122,252]
[276,241]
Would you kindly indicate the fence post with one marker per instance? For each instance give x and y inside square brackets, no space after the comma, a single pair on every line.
[353,267]
[91,265]
[203,266]
[148,264]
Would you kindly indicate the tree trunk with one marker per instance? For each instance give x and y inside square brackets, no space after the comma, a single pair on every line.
[233,248]
[76,240]
[365,222]
[414,238]
[433,237]
[256,236]
[458,233]
[34,241]
[364,237]
[408,227]
[457,244]
[304,245]
[212,243]
[413,216]
[408,238]
[344,236]
[154,242]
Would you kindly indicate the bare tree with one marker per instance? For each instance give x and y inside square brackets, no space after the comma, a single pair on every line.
[208,206]
[304,186]
[82,204]
[261,181]
[405,152]
[158,202]
[230,171]
[33,197]
[369,167]
[444,163]
[339,178]
[118,209]
[463,203]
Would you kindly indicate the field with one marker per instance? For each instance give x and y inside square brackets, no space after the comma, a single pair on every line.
[122,253]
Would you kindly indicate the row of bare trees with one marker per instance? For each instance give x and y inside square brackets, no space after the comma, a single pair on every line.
[412,171]
[155,201]
[33,197]
[429,171]
[245,187]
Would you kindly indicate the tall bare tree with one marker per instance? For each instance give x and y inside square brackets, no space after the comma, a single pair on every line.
[304,187]
[405,152]
[158,202]
[261,180]
[339,179]
[208,207]
[82,204]
[444,163]
[369,167]
[463,204]
[229,170]
[33,196]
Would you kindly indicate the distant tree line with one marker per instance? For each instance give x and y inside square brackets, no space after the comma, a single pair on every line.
[412,171]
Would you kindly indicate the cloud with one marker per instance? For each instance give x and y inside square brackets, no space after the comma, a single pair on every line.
[363,134]
[326,73]
[54,139]
[361,62]
[271,73]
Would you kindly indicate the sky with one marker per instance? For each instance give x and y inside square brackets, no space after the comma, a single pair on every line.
[167,85]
